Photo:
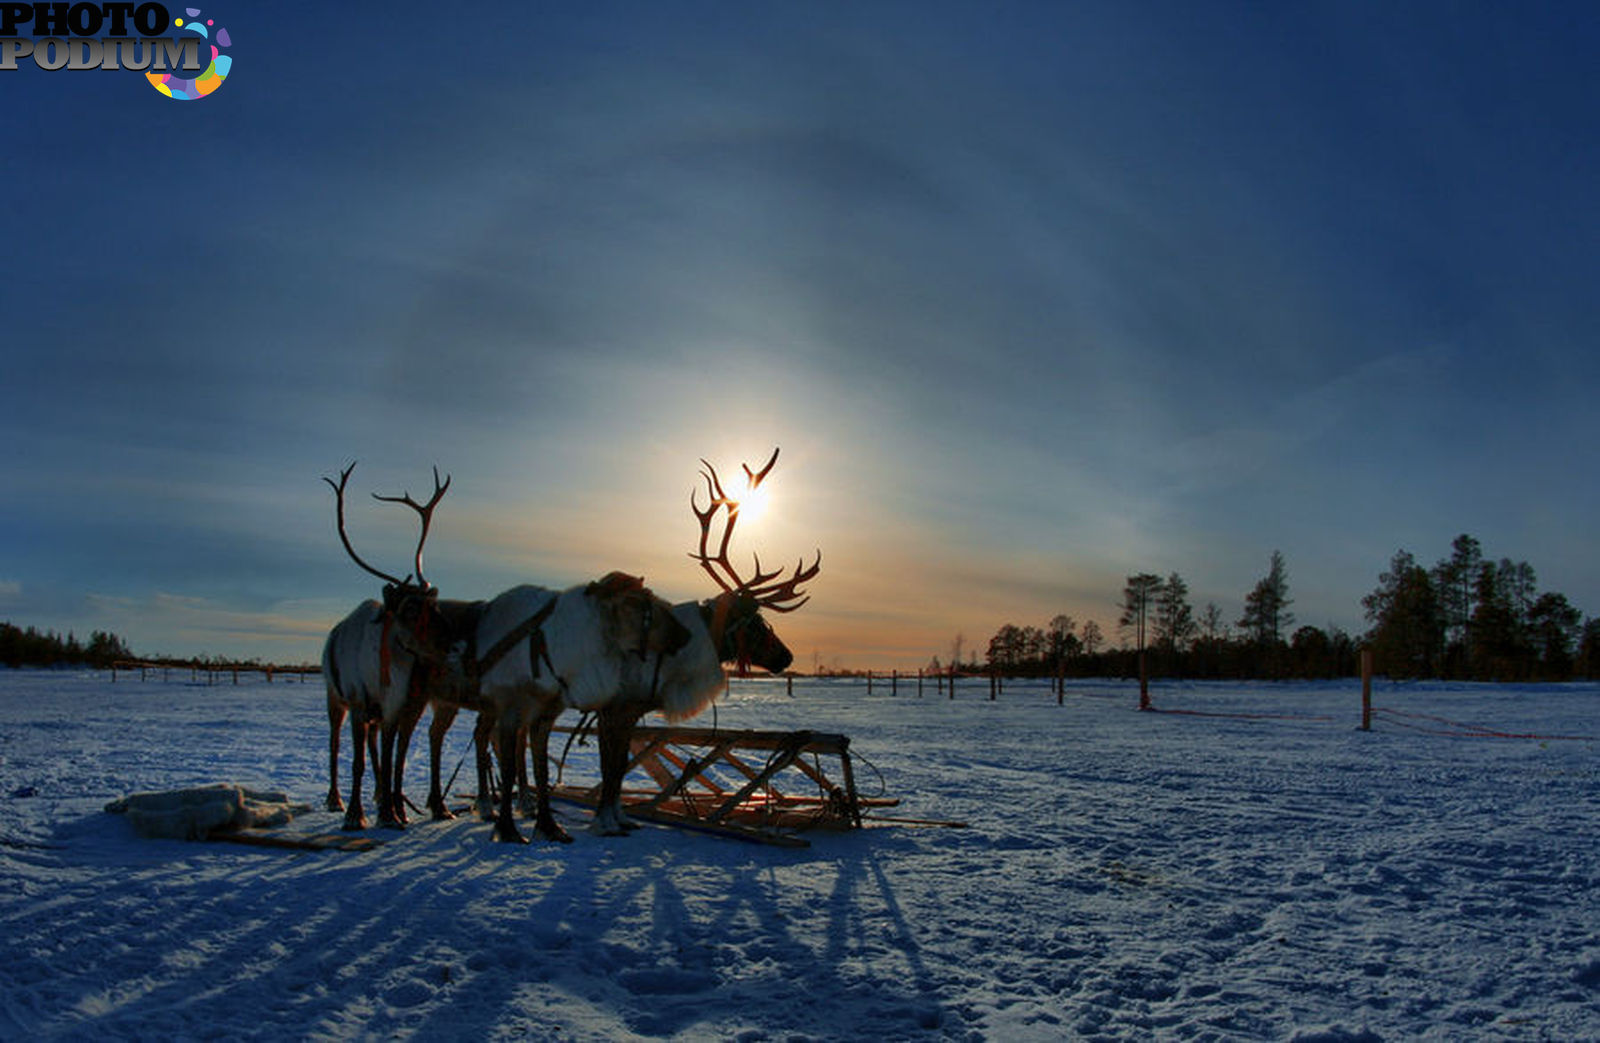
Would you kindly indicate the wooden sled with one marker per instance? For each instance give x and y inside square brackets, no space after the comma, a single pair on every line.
[752,785]
[296,841]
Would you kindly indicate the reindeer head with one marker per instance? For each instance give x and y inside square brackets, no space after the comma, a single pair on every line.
[734,616]
[408,602]
[634,618]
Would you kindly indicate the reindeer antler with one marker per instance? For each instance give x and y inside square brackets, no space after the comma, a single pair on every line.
[760,586]
[425,510]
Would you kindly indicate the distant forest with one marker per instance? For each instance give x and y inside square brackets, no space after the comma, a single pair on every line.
[1466,618]
[29,647]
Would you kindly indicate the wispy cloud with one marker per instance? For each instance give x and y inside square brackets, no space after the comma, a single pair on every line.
[176,624]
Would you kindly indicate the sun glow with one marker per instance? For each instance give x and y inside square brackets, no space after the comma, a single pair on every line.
[752,502]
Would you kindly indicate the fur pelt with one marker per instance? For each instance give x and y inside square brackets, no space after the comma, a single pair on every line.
[193,814]
[583,640]
[352,664]
[690,679]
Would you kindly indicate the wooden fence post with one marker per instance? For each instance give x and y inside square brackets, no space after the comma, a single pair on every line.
[869,682]
[1144,683]
[1366,689]
[894,683]
[952,681]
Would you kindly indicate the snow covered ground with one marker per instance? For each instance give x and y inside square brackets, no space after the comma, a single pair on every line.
[1125,875]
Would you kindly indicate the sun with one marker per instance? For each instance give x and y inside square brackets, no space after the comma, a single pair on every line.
[752,502]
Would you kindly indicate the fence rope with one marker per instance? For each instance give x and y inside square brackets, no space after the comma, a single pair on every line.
[1460,729]
[1243,716]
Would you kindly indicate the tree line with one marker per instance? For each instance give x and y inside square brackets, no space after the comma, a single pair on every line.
[1467,618]
[19,647]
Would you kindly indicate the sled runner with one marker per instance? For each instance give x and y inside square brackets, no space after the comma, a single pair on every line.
[754,785]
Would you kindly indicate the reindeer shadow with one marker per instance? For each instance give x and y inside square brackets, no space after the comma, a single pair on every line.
[661,934]
[442,933]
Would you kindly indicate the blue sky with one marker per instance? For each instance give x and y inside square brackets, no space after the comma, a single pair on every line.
[1033,297]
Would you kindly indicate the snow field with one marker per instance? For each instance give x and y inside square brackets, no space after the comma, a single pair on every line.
[1124,875]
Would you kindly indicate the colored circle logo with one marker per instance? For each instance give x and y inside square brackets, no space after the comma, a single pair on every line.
[180,89]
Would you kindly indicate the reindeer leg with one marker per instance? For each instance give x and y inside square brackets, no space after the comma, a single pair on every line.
[482,734]
[444,715]
[621,751]
[539,746]
[354,817]
[527,798]
[505,826]
[614,727]
[370,737]
[386,813]
[336,712]
[408,726]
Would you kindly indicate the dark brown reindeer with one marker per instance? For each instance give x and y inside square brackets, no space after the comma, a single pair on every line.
[727,628]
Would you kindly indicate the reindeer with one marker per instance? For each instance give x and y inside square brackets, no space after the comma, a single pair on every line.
[539,645]
[351,641]
[366,658]
[727,628]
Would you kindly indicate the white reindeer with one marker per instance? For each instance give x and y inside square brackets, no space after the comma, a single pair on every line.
[587,640]
[727,628]
[361,673]
[514,658]
[351,668]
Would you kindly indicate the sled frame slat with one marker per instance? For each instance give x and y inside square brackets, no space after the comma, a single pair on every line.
[712,778]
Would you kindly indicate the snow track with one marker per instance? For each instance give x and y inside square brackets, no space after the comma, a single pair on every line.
[1125,875]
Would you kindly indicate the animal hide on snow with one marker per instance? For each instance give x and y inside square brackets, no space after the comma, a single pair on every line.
[193,814]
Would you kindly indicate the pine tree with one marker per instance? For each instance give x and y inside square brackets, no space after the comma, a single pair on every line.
[1407,637]
[1138,602]
[1175,625]
[1588,664]
[1455,580]
[1266,608]
[1555,627]
[1502,648]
